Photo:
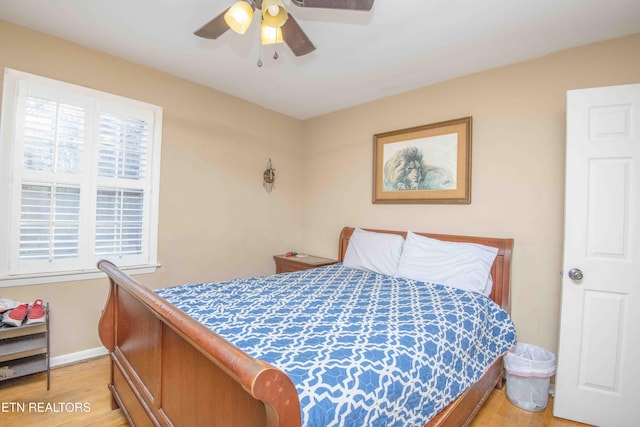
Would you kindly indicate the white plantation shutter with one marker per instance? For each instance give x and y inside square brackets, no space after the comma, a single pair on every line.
[81,168]
[123,144]
[52,141]
[119,222]
[53,136]
[50,148]
[49,222]
[122,147]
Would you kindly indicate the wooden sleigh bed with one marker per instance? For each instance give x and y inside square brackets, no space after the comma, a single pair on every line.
[170,370]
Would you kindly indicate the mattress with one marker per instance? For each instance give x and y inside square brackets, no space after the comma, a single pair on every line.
[361,348]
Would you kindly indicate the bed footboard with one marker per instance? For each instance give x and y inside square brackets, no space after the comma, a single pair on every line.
[167,369]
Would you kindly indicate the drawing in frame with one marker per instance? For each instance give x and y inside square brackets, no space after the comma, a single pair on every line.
[424,164]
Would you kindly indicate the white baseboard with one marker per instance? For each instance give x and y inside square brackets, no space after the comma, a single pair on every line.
[78,356]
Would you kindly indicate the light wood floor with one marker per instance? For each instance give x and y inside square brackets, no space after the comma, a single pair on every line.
[79,397]
[498,412]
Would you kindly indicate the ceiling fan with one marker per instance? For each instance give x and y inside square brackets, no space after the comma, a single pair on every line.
[277,24]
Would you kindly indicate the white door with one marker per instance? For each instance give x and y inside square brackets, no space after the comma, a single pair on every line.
[598,373]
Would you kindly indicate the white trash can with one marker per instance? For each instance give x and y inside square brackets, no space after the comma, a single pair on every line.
[529,371]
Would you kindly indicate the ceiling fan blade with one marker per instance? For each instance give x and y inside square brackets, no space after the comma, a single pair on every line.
[295,38]
[336,4]
[214,28]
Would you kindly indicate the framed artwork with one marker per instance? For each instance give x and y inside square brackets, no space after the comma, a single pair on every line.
[424,164]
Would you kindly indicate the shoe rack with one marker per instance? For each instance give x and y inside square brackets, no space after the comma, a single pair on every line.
[24,350]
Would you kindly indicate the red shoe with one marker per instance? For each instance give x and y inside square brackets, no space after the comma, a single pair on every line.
[37,313]
[16,316]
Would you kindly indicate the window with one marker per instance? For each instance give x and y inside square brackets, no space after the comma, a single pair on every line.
[80,172]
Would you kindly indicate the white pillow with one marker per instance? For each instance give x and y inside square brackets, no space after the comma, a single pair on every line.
[377,252]
[461,265]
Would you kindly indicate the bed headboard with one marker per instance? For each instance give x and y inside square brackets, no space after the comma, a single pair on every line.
[500,271]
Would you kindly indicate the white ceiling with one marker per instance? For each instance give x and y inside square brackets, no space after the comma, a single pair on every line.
[398,46]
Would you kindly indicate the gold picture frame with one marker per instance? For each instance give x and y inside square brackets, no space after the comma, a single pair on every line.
[424,164]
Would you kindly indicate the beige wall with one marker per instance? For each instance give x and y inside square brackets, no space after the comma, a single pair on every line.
[216,220]
[518,166]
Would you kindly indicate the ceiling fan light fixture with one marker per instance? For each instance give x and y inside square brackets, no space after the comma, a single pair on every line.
[270,35]
[273,13]
[239,16]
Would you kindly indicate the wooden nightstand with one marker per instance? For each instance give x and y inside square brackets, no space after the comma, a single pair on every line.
[286,264]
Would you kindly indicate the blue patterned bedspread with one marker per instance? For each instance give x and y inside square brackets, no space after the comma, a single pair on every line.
[362,349]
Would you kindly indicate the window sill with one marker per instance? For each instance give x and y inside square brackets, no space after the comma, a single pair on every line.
[70,276]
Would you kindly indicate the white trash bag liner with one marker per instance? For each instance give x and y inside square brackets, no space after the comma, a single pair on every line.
[527,360]
[529,371]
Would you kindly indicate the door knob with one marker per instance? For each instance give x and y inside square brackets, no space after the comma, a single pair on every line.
[575,274]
